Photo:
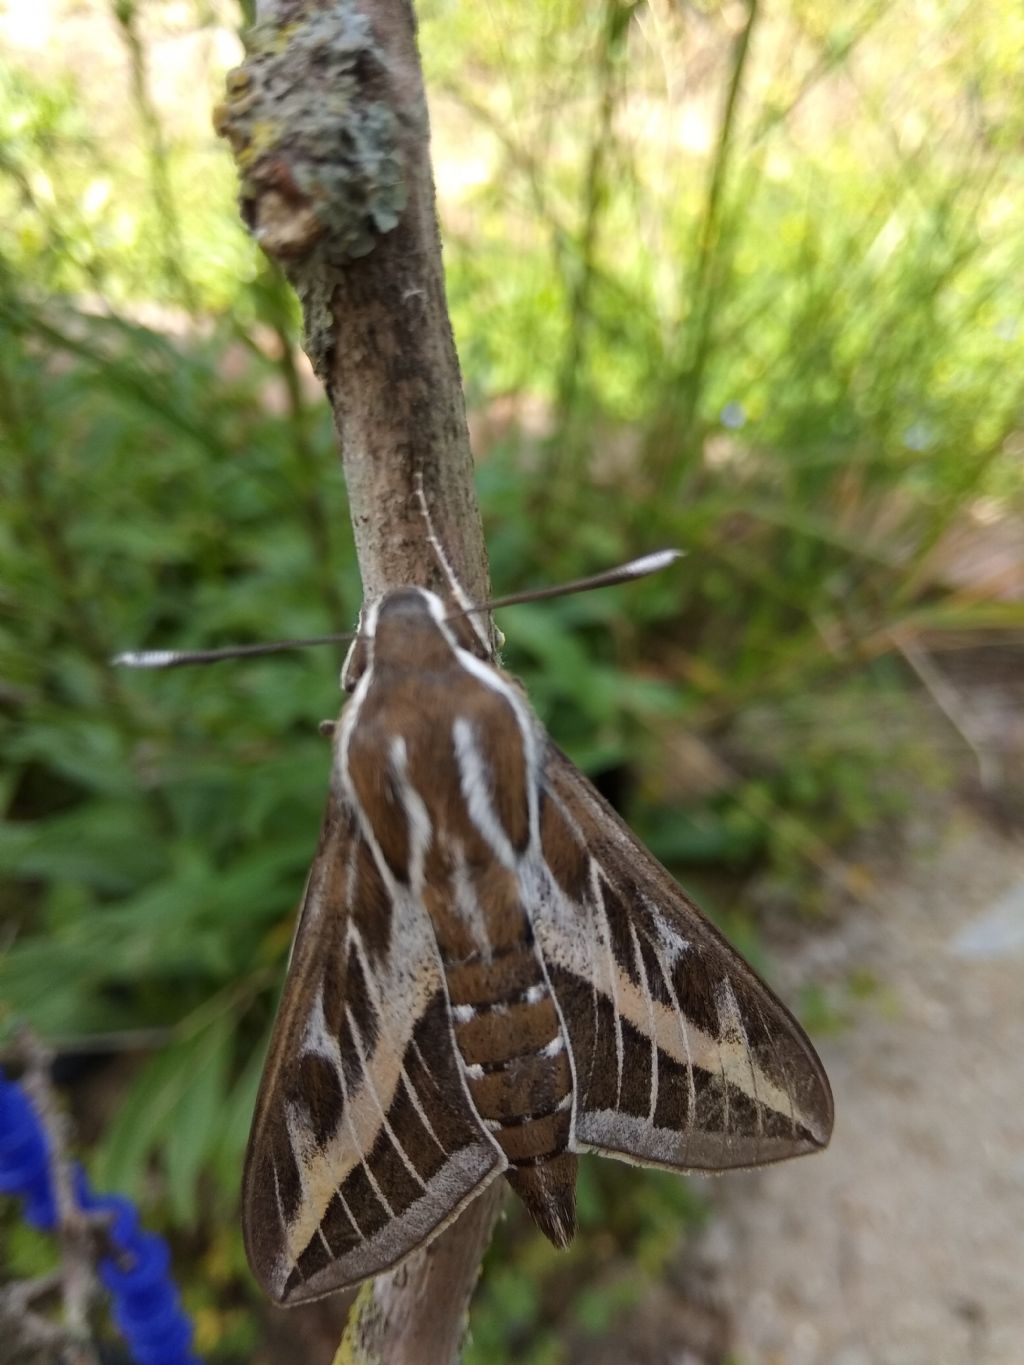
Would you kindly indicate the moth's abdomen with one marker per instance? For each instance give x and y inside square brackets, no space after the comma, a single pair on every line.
[509,1036]
[507,1028]
[518,1073]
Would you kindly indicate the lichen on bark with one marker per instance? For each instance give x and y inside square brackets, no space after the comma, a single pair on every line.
[318,148]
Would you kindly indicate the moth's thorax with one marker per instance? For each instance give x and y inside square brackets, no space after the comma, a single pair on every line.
[409,633]
[434,741]
[410,630]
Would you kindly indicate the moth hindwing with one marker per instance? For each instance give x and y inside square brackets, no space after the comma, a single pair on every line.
[490,975]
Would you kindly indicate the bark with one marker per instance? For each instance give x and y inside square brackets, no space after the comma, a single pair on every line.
[337,186]
[328,123]
[418,1314]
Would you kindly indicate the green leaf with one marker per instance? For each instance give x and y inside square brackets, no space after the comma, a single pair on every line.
[197,1129]
[172,1105]
[235,1118]
[109,845]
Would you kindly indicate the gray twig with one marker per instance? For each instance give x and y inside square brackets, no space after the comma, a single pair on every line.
[328,122]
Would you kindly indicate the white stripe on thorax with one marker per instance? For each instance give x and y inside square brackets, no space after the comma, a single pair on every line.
[491,678]
[421,829]
[466,902]
[475,780]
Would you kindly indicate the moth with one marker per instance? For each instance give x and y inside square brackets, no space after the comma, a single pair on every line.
[490,976]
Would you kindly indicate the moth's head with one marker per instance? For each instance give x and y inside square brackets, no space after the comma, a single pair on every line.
[410,629]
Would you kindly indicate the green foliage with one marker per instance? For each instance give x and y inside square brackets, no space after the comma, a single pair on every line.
[781,331]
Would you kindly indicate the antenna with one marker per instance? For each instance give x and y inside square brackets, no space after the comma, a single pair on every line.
[175,658]
[458,591]
[625,573]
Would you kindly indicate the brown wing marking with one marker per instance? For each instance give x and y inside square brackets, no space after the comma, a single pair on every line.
[364,1143]
[683,1057]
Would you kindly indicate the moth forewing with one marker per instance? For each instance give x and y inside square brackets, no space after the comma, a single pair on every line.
[490,975]
[361,1148]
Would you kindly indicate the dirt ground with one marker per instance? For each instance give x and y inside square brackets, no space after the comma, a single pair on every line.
[903,1244]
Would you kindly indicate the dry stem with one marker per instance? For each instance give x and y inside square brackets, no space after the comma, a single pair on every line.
[379,336]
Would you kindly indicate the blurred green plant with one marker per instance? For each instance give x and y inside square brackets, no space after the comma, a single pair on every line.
[737,281]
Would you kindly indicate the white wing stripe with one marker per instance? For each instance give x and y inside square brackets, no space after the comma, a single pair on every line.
[641,971]
[359,1147]
[691,1086]
[730,1022]
[385,1122]
[612,972]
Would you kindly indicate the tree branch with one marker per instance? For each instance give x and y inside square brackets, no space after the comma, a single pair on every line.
[328,123]
[419,1312]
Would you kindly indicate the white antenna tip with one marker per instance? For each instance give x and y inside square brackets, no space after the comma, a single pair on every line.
[151,658]
[653,563]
